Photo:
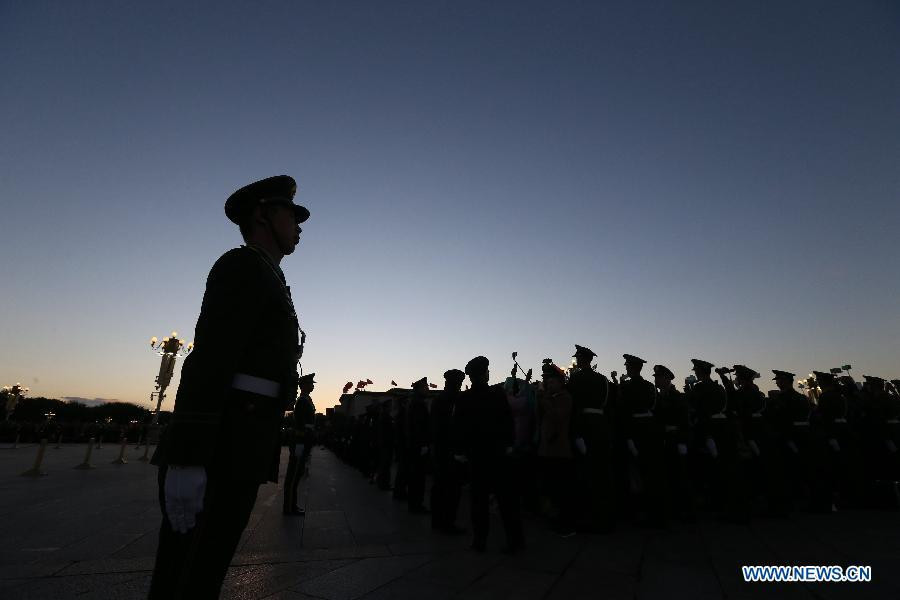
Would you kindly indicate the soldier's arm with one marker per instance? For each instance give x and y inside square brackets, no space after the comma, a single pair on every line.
[230,310]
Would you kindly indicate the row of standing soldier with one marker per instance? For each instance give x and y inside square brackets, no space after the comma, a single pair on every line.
[601,450]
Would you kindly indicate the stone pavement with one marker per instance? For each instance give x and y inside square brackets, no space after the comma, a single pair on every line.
[92,534]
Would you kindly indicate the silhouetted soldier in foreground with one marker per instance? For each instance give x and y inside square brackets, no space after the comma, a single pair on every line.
[643,437]
[593,442]
[714,436]
[385,445]
[445,489]
[796,436]
[842,450]
[300,444]
[417,441]
[486,430]
[223,441]
[672,413]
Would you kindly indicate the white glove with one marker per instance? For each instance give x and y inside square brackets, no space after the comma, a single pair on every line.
[184,489]
[298,450]
[460,458]
[424,450]
[793,447]
[632,448]
[753,447]
[582,448]
[834,444]
[682,449]
[711,447]
[891,446]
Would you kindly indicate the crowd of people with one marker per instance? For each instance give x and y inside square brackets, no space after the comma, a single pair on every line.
[588,452]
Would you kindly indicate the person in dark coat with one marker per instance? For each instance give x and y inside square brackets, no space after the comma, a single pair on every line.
[555,450]
[833,426]
[672,413]
[487,437]
[446,487]
[401,477]
[223,441]
[643,438]
[418,438]
[592,438]
[715,437]
[385,446]
[796,438]
[300,444]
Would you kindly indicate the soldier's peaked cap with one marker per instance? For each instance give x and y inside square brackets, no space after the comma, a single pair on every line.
[477,365]
[551,370]
[782,374]
[454,375]
[822,376]
[630,359]
[745,371]
[421,383]
[279,189]
[701,364]
[306,379]
[873,378]
[663,371]
[584,351]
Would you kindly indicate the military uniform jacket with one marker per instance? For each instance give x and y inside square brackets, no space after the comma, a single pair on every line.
[591,406]
[483,422]
[710,405]
[442,409]
[418,427]
[304,419]
[672,411]
[637,400]
[247,325]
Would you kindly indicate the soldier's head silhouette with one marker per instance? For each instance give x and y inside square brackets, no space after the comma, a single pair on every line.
[267,216]
[702,369]
[453,379]
[662,377]
[477,370]
[633,365]
[583,356]
[744,375]
[783,379]
[307,383]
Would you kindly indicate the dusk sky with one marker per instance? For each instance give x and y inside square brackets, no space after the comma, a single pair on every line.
[667,179]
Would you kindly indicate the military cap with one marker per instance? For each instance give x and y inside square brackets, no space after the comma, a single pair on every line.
[745,371]
[701,364]
[279,189]
[454,375]
[551,370]
[584,351]
[633,360]
[477,365]
[306,379]
[873,379]
[662,371]
[420,383]
[822,376]
[784,374]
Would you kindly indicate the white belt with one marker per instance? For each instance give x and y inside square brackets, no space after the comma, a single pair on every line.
[841,420]
[718,416]
[893,421]
[256,385]
[671,428]
[592,411]
[756,415]
[801,423]
[642,415]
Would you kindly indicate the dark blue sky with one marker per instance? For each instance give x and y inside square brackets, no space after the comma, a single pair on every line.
[716,180]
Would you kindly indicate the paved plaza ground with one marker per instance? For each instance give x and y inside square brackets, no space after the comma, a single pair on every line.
[92,534]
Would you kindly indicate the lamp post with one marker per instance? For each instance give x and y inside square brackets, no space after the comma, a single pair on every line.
[13,394]
[170,348]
